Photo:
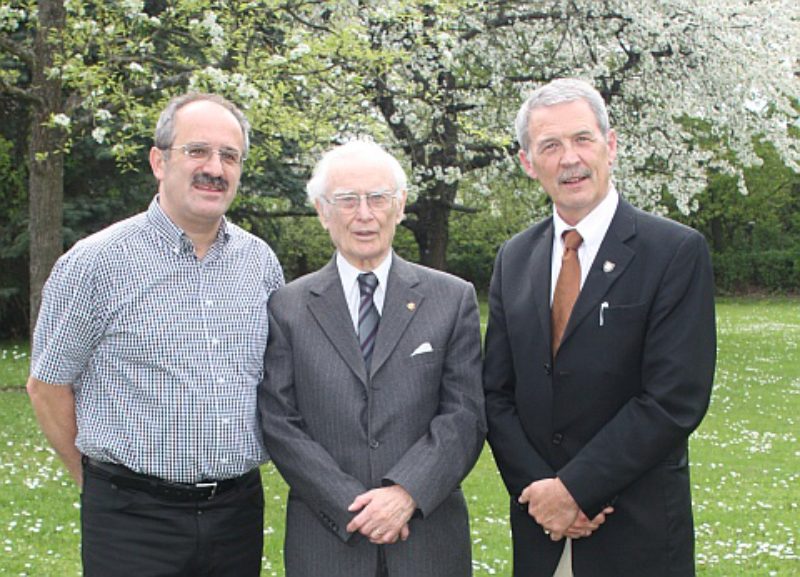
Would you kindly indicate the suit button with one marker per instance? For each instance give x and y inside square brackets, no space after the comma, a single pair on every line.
[373,444]
[557,438]
[548,369]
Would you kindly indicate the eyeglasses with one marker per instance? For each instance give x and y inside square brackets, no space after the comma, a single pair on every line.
[202,152]
[350,201]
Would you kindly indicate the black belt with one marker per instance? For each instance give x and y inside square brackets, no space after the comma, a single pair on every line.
[127,479]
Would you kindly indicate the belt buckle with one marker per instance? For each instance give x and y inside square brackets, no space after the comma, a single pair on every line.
[212,485]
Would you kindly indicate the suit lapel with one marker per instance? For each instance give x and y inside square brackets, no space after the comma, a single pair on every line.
[535,293]
[540,271]
[329,307]
[602,276]
[400,305]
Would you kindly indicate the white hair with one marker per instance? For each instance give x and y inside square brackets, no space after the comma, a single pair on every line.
[362,148]
[560,91]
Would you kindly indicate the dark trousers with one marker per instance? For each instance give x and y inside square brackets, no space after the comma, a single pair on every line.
[130,533]
[383,570]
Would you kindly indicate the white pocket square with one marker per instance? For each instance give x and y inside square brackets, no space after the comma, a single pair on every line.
[423,348]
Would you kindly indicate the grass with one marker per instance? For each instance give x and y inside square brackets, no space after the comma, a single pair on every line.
[14,362]
[745,474]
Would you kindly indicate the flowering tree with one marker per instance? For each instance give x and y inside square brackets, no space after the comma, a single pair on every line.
[690,86]
[454,72]
[105,69]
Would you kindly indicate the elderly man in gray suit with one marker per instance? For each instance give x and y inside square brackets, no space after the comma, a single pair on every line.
[371,404]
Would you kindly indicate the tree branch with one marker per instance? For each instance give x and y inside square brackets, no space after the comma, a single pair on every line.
[254,210]
[416,207]
[505,20]
[19,93]
[305,22]
[167,64]
[18,50]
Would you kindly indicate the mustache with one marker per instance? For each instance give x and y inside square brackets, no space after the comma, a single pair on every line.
[575,173]
[205,179]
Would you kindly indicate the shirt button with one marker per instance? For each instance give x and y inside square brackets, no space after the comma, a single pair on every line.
[557,438]
[373,444]
[220,381]
[215,342]
[209,303]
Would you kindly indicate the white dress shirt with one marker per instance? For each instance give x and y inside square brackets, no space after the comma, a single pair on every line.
[592,228]
[348,274]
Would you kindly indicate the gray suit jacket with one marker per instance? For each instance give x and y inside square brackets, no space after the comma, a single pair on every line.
[335,432]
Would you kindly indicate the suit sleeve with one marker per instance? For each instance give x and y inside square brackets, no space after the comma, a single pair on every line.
[310,471]
[434,466]
[677,370]
[518,461]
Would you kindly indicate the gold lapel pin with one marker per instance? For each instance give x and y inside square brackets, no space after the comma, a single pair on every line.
[411,306]
[608,266]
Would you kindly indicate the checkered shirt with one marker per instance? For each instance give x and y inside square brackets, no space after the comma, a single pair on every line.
[164,351]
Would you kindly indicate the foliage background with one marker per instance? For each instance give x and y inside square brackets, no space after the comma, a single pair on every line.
[705,98]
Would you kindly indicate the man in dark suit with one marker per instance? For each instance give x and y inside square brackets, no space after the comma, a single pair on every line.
[371,404]
[589,421]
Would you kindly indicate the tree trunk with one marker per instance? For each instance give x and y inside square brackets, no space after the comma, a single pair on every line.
[45,156]
[432,232]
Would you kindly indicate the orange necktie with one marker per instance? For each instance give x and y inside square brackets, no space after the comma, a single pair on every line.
[567,287]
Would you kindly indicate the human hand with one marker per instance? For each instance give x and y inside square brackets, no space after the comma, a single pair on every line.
[584,527]
[383,514]
[550,505]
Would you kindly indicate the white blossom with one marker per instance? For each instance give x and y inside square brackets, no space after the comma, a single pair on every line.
[102,115]
[132,8]
[664,66]
[299,51]
[61,120]
[10,17]
[99,134]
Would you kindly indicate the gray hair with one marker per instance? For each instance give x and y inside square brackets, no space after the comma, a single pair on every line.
[560,91]
[165,128]
[317,186]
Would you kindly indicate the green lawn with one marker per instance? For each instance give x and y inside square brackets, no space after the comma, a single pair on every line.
[745,469]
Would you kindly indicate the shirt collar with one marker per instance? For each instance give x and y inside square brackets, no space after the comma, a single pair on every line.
[349,274]
[594,225]
[177,239]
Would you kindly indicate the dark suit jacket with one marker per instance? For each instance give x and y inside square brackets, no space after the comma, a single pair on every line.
[335,432]
[610,416]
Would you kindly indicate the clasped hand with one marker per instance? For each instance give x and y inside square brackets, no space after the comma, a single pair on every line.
[551,505]
[383,514]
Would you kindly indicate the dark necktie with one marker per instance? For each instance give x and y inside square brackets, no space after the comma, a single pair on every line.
[368,316]
[567,287]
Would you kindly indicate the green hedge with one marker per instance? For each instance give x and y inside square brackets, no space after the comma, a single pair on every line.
[773,271]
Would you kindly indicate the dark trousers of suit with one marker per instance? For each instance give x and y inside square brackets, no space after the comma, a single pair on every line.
[383,570]
[132,533]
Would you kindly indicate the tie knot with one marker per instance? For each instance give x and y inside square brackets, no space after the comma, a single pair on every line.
[572,239]
[367,281]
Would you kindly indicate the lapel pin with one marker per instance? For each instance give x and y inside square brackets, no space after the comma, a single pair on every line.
[608,266]
[411,306]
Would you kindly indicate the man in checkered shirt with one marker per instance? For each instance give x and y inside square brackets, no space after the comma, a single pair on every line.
[146,360]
